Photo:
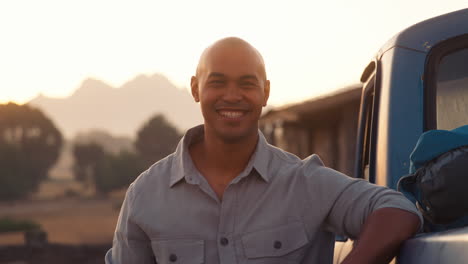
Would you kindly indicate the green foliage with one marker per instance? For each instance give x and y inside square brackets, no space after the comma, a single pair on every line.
[117,171]
[103,170]
[13,183]
[156,139]
[107,171]
[29,145]
[11,225]
[87,157]
[127,166]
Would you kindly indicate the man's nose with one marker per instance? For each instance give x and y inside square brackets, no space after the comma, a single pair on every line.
[233,93]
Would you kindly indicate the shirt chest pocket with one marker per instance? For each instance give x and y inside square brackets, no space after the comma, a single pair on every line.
[179,251]
[283,244]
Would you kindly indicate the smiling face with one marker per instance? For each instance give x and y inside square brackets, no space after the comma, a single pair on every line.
[231,87]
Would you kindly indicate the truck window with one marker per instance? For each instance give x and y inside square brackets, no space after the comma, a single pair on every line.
[365,151]
[452,90]
[367,131]
[446,78]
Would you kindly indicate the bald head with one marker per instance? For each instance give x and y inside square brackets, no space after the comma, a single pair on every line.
[232,45]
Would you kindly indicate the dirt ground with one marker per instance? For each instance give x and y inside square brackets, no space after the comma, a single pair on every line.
[79,226]
[79,230]
[66,221]
[53,254]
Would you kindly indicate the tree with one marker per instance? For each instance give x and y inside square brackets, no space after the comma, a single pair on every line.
[103,170]
[88,156]
[106,170]
[29,145]
[110,143]
[156,139]
[117,171]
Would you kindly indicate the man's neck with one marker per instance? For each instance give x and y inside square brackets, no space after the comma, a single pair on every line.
[229,156]
[222,161]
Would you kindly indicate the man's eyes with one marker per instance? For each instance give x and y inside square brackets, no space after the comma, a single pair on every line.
[248,84]
[216,82]
[243,84]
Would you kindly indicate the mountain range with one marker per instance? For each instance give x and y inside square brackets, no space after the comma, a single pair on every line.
[120,111]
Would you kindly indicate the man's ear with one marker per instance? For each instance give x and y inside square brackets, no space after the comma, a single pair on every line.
[266,91]
[194,88]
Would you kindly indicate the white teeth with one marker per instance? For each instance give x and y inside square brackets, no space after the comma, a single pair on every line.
[231,114]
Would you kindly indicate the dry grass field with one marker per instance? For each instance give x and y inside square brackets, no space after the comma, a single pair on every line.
[74,221]
[68,221]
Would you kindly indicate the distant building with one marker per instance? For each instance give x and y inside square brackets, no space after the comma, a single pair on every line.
[325,125]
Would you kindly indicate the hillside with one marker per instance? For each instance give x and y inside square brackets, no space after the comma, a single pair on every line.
[120,111]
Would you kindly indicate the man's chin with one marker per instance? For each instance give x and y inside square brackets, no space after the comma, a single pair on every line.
[234,137]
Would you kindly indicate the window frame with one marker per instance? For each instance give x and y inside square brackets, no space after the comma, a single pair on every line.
[368,120]
[436,54]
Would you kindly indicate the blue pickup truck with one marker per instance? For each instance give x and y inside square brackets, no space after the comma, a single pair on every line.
[418,81]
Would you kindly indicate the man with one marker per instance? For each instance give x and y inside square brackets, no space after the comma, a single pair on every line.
[226,196]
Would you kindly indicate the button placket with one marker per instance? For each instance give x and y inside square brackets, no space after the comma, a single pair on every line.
[226,248]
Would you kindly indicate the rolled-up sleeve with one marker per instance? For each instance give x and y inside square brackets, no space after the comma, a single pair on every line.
[348,201]
[358,200]
[130,243]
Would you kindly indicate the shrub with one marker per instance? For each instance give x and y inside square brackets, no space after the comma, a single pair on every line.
[12,225]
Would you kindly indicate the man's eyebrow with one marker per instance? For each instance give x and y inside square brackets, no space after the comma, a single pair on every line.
[247,77]
[215,74]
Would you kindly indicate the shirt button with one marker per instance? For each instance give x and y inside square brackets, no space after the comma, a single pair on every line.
[224,241]
[172,258]
[277,244]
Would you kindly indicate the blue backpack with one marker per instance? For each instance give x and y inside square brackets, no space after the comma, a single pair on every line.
[438,179]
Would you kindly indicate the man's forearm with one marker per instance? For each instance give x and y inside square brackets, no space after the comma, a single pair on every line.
[382,235]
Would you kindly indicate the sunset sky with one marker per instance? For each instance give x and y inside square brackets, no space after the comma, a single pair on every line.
[310,47]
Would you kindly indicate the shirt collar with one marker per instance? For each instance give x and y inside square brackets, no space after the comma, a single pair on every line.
[261,157]
[184,167]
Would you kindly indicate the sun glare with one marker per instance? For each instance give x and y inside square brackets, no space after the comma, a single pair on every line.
[50,47]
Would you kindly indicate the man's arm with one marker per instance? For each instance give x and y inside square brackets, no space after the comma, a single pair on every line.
[381,217]
[383,233]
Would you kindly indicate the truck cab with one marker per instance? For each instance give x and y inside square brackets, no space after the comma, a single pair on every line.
[418,81]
